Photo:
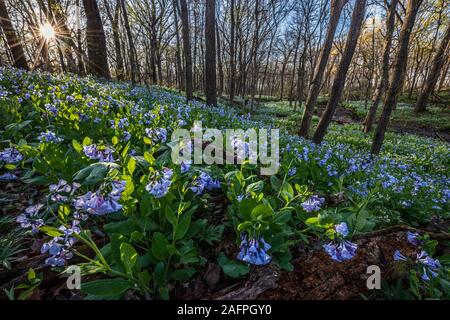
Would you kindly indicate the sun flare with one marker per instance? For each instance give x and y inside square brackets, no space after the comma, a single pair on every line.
[47,31]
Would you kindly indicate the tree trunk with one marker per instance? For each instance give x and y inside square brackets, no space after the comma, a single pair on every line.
[14,45]
[339,82]
[210,54]
[232,52]
[132,49]
[384,79]
[433,76]
[187,49]
[314,89]
[219,62]
[116,38]
[96,42]
[398,74]
[178,56]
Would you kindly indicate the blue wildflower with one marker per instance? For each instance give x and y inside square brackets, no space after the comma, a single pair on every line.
[10,155]
[342,229]
[341,250]
[413,238]
[104,154]
[49,137]
[398,256]
[313,204]
[204,182]
[8,177]
[254,251]
[160,183]
[30,218]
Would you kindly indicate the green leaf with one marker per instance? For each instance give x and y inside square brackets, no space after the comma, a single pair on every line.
[159,274]
[63,212]
[128,256]
[183,274]
[107,287]
[115,140]
[183,226]
[261,211]
[77,146]
[87,141]
[51,231]
[131,165]
[232,268]
[255,187]
[160,246]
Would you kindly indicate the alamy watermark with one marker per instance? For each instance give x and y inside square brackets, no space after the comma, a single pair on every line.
[209,146]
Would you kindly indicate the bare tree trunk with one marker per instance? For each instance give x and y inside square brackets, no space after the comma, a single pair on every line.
[14,45]
[132,49]
[187,49]
[314,89]
[339,82]
[219,62]
[384,79]
[210,55]
[398,74]
[232,52]
[178,57]
[116,38]
[96,42]
[433,76]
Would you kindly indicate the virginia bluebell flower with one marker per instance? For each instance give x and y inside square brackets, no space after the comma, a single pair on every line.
[254,251]
[341,229]
[157,135]
[160,183]
[204,182]
[185,167]
[104,154]
[100,204]
[341,250]
[398,256]
[49,137]
[10,155]
[51,109]
[30,218]
[292,171]
[413,238]
[8,177]
[313,204]
[430,266]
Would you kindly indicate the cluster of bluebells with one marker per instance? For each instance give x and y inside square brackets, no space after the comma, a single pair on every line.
[102,202]
[10,155]
[157,135]
[427,264]
[49,137]
[61,191]
[160,183]
[254,250]
[59,248]
[9,176]
[104,154]
[204,182]
[30,218]
[341,249]
[313,204]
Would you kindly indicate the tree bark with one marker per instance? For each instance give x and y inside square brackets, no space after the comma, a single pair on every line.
[132,49]
[398,74]
[116,38]
[210,54]
[339,82]
[14,45]
[384,79]
[314,89]
[433,76]
[232,52]
[96,42]
[186,49]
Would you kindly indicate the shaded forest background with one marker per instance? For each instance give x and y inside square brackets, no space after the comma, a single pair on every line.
[237,50]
